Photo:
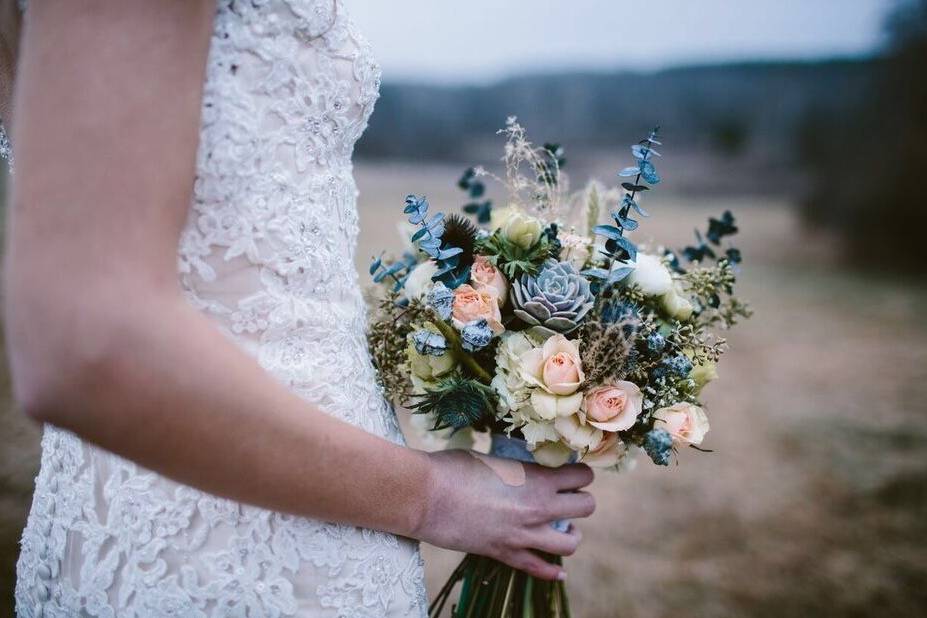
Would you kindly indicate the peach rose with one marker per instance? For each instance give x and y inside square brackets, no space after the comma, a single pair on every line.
[687,423]
[486,278]
[470,304]
[555,367]
[613,407]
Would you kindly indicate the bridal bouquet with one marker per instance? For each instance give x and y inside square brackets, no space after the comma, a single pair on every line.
[552,332]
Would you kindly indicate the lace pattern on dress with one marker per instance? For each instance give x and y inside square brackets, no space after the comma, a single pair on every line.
[268,254]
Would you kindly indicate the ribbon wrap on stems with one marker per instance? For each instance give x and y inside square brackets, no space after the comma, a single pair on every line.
[491,589]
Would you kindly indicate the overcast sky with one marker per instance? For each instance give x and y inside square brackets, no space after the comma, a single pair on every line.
[483,40]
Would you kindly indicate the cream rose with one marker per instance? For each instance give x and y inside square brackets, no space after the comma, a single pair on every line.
[613,407]
[469,305]
[522,229]
[555,366]
[551,454]
[703,374]
[607,453]
[576,249]
[676,305]
[687,423]
[427,367]
[578,435]
[651,275]
[419,282]
[500,216]
[484,277]
[549,407]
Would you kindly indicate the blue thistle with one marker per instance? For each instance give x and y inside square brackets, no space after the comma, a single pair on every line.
[677,366]
[457,403]
[656,343]
[658,444]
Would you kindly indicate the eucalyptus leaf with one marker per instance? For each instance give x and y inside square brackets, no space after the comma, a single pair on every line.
[609,231]
[649,172]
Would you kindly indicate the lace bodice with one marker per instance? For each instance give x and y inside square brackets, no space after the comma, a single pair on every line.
[267,253]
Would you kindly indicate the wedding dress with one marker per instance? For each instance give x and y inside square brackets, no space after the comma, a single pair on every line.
[268,253]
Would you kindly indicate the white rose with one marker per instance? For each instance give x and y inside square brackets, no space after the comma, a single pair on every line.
[419,282]
[676,305]
[518,227]
[500,216]
[551,454]
[651,275]
[578,435]
[576,249]
[536,432]
[549,407]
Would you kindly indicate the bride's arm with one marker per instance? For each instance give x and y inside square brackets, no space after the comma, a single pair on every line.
[102,342]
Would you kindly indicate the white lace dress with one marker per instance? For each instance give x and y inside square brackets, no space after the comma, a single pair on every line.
[268,252]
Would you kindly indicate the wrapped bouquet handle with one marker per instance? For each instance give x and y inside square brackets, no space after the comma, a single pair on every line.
[492,589]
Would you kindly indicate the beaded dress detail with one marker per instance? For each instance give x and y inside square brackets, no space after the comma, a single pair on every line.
[268,253]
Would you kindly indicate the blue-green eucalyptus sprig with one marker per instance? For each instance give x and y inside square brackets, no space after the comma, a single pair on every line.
[705,246]
[658,444]
[481,209]
[398,271]
[618,249]
[428,238]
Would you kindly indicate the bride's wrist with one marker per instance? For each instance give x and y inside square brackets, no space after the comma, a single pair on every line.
[415,511]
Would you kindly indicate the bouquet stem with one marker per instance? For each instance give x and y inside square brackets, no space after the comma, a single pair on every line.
[490,589]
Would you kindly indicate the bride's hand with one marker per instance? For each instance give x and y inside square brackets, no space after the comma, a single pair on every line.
[474,509]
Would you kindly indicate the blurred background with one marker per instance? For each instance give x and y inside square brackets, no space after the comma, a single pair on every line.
[807,119]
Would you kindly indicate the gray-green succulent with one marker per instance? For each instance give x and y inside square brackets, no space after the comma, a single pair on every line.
[555,301]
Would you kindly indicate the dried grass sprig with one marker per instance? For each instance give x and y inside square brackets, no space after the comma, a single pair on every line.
[607,350]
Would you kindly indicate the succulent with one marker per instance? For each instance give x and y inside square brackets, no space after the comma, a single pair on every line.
[555,301]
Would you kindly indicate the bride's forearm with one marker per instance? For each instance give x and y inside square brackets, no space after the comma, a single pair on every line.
[153,380]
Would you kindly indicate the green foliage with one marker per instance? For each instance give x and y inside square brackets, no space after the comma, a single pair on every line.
[457,403]
[387,340]
[514,260]
[712,288]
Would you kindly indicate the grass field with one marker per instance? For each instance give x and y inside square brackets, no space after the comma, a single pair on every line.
[814,502]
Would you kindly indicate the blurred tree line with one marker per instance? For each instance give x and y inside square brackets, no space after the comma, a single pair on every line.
[867,165]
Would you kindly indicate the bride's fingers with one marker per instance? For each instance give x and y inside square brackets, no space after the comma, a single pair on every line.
[547,539]
[569,477]
[572,505]
[532,564]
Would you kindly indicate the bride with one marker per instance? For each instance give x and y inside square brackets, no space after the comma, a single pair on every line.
[183,315]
